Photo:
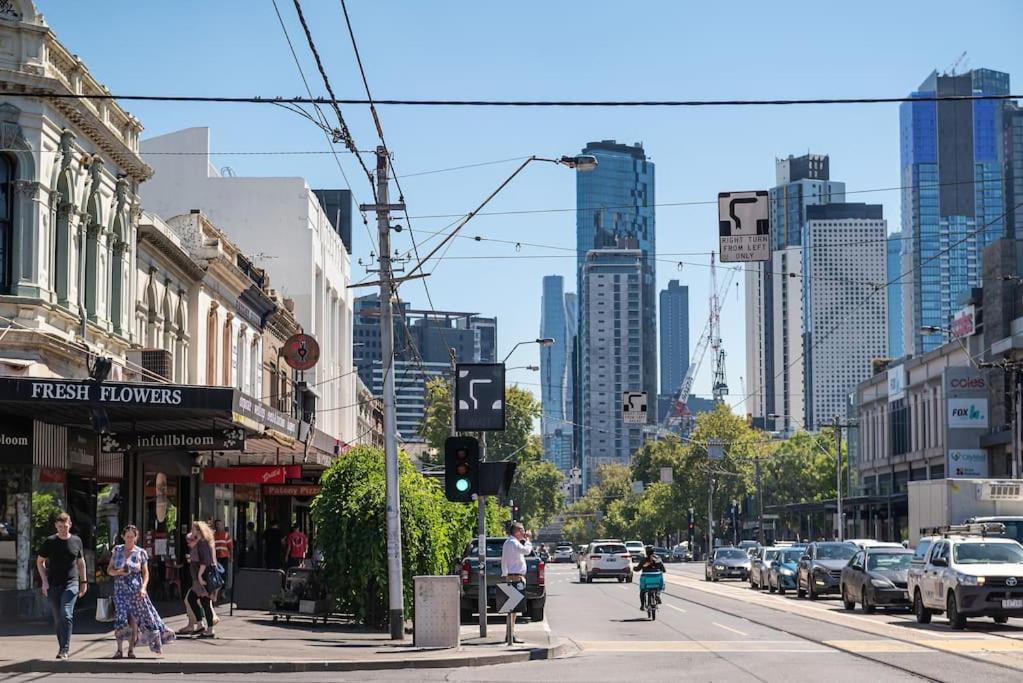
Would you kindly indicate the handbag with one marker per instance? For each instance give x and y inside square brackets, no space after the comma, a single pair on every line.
[104,609]
[215,578]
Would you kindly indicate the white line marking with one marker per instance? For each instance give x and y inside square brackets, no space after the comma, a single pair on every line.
[729,628]
[678,609]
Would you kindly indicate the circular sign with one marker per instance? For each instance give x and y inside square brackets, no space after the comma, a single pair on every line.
[301,351]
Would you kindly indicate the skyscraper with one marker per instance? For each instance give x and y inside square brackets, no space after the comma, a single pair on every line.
[952,198]
[611,355]
[615,202]
[896,345]
[555,392]
[1012,144]
[844,329]
[773,303]
[674,332]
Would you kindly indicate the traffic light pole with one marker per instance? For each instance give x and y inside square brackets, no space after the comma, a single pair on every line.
[481,529]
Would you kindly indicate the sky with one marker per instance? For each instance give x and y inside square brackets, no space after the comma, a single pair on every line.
[554,50]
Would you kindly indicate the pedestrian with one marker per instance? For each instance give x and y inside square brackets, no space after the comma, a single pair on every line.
[297,546]
[61,566]
[136,618]
[195,623]
[272,550]
[201,562]
[251,558]
[513,559]
[224,545]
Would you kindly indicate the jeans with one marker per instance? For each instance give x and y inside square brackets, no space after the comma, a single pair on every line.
[62,602]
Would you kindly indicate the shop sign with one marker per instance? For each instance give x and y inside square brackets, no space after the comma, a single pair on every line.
[962,382]
[277,474]
[967,413]
[231,439]
[81,449]
[248,408]
[112,393]
[896,383]
[301,490]
[968,463]
[964,323]
[15,442]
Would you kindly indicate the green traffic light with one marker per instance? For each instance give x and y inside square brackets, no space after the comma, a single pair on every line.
[462,485]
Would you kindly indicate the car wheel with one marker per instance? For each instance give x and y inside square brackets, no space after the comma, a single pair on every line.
[868,606]
[781,589]
[923,615]
[846,602]
[536,614]
[628,579]
[589,579]
[800,593]
[706,575]
[810,593]
[1001,620]
[770,586]
[621,579]
[955,620]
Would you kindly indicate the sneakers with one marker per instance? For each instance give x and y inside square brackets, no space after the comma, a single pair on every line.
[62,655]
[208,633]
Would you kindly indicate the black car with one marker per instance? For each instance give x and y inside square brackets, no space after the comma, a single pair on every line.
[876,577]
[820,568]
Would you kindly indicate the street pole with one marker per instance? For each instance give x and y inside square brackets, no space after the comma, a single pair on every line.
[1016,422]
[395,585]
[838,477]
[481,530]
[760,501]
[710,517]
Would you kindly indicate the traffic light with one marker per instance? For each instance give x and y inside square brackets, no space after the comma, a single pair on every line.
[461,469]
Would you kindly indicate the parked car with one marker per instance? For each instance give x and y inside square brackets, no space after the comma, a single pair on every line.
[760,565]
[637,549]
[536,590]
[967,575]
[820,568]
[781,575]
[563,553]
[606,560]
[876,577]
[871,543]
[662,553]
[681,553]
[727,563]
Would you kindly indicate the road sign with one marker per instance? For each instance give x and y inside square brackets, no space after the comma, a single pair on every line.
[301,351]
[634,407]
[479,395]
[575,476]
[667,475]
[510,597]
[744,226]
[715,450]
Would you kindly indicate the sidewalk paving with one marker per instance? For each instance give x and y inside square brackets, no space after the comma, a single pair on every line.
[250,642]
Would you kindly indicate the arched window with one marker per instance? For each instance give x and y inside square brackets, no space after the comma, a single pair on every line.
[256,367]
[7,175]
[228,348]
[211,346]
[117,254]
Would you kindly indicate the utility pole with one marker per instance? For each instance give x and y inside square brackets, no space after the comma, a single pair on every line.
[760,501]
[481,530]
[838,477]
[1017,419]
[395,584]
[710,517]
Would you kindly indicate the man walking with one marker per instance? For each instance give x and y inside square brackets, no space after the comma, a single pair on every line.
[513,559]
[61,566]
[224,545]
[297,546]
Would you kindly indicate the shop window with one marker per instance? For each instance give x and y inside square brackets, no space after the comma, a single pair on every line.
[15,528]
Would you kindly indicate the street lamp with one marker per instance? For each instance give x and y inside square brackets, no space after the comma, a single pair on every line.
[542,341]
[531,368]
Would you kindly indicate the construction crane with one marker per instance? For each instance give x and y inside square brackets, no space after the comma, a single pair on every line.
[679,418]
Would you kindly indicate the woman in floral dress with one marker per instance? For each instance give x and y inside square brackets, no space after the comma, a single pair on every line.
[137,619]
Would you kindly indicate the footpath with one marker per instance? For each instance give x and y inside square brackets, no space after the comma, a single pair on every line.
[250,642]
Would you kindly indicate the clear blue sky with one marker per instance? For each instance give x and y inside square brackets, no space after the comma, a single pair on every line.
[583,50]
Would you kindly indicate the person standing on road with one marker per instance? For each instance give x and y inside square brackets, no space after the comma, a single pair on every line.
[136,617]
[61,566]
[513,558]
[224,545]
[297,546]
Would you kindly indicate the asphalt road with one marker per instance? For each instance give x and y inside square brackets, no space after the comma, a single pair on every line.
[723,632]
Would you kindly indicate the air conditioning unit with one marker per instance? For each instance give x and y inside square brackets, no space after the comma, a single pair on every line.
[159,362]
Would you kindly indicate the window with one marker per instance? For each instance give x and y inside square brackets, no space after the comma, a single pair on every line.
[6,223]
[211,346]
[227,347]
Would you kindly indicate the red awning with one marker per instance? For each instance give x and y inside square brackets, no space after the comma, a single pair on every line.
[276,474]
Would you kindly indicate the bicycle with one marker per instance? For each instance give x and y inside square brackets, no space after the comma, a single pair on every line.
[652,583]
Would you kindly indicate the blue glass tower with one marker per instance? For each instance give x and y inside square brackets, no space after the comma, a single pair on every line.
[555,423]
[615,208]
[896,345]
[952,201]
[674,336]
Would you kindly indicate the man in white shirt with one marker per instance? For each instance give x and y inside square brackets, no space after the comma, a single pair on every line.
[513,558]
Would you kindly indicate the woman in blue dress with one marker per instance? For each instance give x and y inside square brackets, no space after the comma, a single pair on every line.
[136,618]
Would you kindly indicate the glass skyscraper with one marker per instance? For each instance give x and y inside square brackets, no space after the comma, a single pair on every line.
[555,392]
[674,336]
[615,208]
[896,344]
[952,201]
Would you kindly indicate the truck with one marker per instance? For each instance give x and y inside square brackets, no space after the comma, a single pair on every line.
[941,502]
[969,570]
[536,589]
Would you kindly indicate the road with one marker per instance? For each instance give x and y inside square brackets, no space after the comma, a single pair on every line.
[724,631]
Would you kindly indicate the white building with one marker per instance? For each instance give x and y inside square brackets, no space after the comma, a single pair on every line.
[845,322]
[786,346]
[279,218]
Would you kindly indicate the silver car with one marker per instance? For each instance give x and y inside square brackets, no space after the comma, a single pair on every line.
[727,563]
[760,565]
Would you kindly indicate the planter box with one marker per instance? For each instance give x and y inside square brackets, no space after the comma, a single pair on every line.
[312,606]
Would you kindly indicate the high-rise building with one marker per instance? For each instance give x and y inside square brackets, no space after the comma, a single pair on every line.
[844,329]
[896,347]
[953,200]
[611,351]
[555,423]
[799,182]
[615,202]
[1012,144]
[674,336]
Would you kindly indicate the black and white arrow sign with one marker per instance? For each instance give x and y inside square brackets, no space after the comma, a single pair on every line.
[509,598]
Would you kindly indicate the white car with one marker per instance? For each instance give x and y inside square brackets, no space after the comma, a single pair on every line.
[563,553]
[863,543]
[605,559]
[637,549]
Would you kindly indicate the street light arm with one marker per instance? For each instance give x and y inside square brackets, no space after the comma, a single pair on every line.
[515,347]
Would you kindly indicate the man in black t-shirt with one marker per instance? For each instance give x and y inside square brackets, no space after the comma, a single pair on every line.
[61,566]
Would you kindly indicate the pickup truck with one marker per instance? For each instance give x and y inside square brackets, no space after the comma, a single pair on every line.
[536,590]
[966,575]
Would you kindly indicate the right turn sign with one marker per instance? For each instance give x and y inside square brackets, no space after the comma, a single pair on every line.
[743,222]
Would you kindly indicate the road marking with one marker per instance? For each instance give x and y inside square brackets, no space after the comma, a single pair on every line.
[677,609]
[729,628]
[874,646]
[704,646]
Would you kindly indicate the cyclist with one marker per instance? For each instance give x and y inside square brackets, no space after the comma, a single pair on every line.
[651,564]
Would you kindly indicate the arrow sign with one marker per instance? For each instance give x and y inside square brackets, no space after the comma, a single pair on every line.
[744,226]
[509,597]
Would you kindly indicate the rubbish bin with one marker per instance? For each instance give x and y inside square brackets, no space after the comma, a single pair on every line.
[438,620]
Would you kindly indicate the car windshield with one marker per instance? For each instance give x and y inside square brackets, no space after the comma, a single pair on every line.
[564,548]
[730,554]
[790,555]
[494,546]
[609,549]
[770,555]
[985,553]
[835,551]
[889,561]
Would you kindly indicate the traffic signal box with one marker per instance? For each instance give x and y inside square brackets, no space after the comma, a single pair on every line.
[461,469]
